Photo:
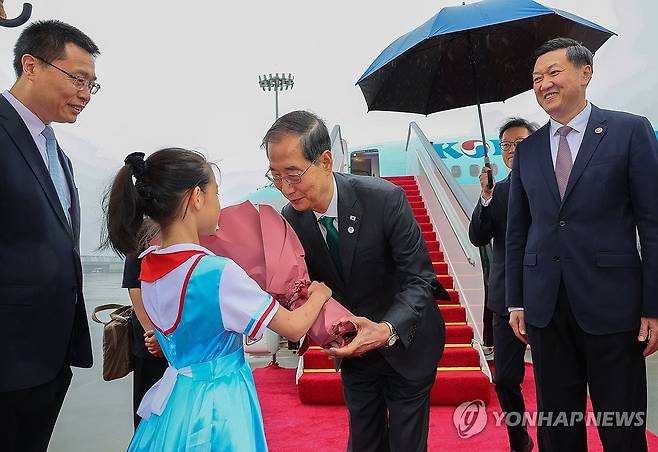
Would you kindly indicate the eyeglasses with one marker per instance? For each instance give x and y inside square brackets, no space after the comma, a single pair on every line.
[291,179]
[507,145]
[78,82]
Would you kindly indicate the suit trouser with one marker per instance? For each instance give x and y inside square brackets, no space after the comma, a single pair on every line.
[509,370]
[386,411]
[488,334]
[146,372]
[27,416]
[567,361]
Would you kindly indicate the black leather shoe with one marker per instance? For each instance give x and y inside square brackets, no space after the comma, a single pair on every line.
[528,447]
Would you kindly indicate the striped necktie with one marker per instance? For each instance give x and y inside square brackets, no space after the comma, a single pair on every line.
[564,160]
[56,171]
[332,239]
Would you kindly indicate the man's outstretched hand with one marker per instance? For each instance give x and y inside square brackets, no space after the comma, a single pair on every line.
[649,332]
[369,336]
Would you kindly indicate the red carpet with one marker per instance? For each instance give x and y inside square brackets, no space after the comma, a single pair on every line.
[291,426]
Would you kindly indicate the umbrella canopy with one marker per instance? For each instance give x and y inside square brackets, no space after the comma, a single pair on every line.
[469,54]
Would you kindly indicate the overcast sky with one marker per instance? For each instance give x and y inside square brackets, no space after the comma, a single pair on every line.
[185,73]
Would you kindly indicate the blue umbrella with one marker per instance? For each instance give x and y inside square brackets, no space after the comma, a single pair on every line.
[469,54]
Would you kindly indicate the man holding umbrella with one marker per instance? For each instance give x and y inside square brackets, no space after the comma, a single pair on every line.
[581,187]
[489,222]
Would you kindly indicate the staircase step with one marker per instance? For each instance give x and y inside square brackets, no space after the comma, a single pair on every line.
[417,205]
[422,218]
[443,303]
[450,388]
[455,313]
[316,359]
[411,191]
[440,268]
[409,183]
[432,245]
[419,211]
[395,179]
[446,281]
[459,334]
[453,388]
[424,227]
[436,256]
[429,236]
[414,199]
[321,389]
[459,357]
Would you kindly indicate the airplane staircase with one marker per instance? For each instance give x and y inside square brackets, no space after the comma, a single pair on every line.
[460,376]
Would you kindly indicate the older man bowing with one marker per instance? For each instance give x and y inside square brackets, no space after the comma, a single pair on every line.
[361,238]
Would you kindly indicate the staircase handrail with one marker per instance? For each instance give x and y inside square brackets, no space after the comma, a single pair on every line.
[338,147]
[461,197]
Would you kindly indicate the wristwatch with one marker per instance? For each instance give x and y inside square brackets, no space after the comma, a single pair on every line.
[392,339]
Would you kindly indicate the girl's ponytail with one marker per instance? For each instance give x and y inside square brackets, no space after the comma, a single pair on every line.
[122,204]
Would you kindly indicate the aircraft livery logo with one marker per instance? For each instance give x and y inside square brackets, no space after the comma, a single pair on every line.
[468,148]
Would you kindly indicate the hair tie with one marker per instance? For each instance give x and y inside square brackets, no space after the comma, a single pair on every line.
[137,163]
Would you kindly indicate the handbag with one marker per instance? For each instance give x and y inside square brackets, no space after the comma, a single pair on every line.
[117,340]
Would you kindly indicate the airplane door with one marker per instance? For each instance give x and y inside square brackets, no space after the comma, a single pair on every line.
[365,163]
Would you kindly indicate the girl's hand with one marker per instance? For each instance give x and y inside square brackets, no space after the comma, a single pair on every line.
[319,288]
[152,344]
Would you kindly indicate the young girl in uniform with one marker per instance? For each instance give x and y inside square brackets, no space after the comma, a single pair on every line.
[199,304]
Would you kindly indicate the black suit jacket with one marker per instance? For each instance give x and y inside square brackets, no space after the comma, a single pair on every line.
[42,310]
[588,239]
[386,269]
[490,223]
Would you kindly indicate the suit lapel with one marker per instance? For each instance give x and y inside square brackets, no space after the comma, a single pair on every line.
[317,248]
[546,162]
[20,135]
[502,196]
[590,142]
[349,221]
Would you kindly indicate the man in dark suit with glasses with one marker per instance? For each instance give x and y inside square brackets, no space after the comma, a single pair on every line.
[361,239]
[489,222]
[45,329]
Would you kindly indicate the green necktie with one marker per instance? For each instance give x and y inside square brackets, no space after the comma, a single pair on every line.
[332,240]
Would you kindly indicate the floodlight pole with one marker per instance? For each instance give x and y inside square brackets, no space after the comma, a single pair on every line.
[278,83]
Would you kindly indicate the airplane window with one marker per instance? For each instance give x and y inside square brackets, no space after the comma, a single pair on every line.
[474,170]
[456,171]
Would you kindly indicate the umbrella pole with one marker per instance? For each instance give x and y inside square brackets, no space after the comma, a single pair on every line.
[487,162]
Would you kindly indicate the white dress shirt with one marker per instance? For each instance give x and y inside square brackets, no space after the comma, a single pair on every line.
[575,137]
[332,211]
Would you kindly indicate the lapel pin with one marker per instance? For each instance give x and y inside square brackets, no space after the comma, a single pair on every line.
[352,217]
[350,230]
[598,130]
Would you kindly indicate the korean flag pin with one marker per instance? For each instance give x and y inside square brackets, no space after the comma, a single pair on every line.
[352,218]
[350,230]
[598,130]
